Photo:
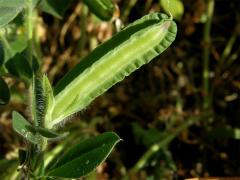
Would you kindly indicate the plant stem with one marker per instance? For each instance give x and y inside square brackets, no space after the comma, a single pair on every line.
[229,46]
[37,43]
[35,161]
[83,25]
[29,23]
[206,54]
[233,57]
[164,142]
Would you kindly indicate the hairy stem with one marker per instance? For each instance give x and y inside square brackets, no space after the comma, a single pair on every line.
[35,151]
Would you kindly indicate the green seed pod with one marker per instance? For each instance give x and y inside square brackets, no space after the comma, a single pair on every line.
[109,63]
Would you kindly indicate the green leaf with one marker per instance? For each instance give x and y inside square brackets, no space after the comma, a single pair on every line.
[85,156]
[104,9]
[35,63]
[11,3]
[20,125]
[55,7]
[4,92]
[1,54]
[16,45]
[175,7]
[19,66]
[111,62]
[9,10]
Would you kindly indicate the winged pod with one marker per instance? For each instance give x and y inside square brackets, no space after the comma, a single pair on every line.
[109,63]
